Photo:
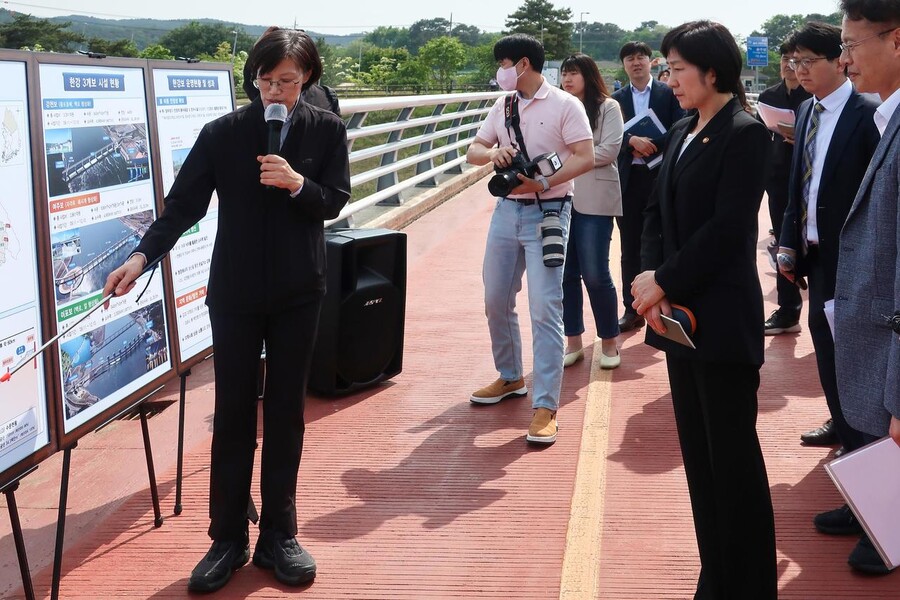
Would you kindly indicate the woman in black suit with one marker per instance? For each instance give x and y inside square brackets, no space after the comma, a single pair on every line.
[699,250]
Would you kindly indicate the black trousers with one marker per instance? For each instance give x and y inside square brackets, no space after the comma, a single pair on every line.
[788,293]
[823,342]
[238,338]
[631,225]
[715,413]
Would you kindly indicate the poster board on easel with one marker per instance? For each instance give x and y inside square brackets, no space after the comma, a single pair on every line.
[100,198]
[186,96]
[26,419]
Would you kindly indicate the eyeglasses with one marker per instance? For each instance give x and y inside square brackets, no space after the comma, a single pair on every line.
[850,46]
[806,63]
[278,84]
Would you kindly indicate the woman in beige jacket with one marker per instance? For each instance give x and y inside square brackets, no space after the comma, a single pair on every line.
[598,198]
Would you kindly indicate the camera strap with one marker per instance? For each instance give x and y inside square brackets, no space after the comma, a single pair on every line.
[511,105]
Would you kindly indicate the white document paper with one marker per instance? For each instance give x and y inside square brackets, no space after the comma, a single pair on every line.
[829,315]
[676,333]
[869,480]
[771,116]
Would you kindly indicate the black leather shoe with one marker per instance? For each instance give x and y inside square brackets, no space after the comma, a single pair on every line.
[630,321]
[840,521]
[214,571]
[292,564]
[840,452]
[782,321]
[826,435]
[865,558]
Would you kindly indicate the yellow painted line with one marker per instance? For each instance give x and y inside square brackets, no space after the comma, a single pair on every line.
[581,562]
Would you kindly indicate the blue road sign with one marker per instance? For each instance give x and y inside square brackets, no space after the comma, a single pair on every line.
[757,52]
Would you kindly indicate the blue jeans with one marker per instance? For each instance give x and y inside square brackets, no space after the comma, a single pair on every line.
[587,259]
[514,248]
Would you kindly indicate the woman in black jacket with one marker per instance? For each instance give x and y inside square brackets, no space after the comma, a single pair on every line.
[699,250]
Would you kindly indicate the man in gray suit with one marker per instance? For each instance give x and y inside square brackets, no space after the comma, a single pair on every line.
[867,289]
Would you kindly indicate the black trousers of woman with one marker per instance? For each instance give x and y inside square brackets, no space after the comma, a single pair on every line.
[238,338]
[715,413]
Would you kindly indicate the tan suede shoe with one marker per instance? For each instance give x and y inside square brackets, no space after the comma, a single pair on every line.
[543,427]
[499,390]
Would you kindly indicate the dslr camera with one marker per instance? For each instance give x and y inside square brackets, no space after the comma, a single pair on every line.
[505,181]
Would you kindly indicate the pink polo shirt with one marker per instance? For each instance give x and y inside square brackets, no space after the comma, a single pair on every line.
[550,122]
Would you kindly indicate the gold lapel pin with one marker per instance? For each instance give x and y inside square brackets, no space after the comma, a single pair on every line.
[706,140]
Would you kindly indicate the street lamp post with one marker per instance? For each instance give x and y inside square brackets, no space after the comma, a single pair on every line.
[581,36]
[234,46]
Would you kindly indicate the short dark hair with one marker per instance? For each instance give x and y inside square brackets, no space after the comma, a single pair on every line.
[820,38]
[276,44]
[876,11]
[789,44]
[634,48]
[709,46]
[517,46]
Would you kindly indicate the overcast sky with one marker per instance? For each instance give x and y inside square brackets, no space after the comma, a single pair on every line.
[354,16]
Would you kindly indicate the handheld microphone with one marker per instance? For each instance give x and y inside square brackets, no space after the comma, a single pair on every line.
[785,261]
[276,115]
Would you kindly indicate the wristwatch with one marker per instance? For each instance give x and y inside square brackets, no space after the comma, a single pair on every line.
[543,181]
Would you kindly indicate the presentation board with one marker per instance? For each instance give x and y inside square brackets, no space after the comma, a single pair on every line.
[185,101]
[24,416]
[101,200]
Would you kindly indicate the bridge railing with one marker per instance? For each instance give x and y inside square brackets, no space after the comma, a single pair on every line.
[428,137]
[430,133]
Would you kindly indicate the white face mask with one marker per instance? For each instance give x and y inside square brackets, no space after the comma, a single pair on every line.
[507,78]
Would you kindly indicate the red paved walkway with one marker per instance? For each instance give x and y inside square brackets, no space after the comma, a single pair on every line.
[408,491]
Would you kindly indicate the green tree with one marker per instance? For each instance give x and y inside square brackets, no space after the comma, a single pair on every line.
[156,52]
[603,40]
[196,39]
[25,31]
[778,27]
[467,34]
[551,25]
[651,35]
[116,48]
[443,57]
[425,30]
[388,37]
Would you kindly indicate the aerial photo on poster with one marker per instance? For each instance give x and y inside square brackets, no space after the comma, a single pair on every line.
[89,158]
[102,361]
[85,256]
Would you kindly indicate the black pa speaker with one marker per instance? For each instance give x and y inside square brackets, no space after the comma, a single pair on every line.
[360,339]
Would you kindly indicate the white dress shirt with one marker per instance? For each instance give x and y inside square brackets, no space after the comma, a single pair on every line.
[887,109]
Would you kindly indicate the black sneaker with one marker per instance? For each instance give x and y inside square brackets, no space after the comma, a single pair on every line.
[781,321]
[865,558]
[840,521]
[214,570]
[292,564]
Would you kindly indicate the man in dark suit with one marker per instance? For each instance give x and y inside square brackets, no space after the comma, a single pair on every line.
[785,94]
[836,137]
[266,283]
[635,177]
[868,272]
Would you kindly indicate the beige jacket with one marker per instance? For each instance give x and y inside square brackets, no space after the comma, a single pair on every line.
[597,192]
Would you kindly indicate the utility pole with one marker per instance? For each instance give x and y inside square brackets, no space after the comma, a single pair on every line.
[234,47]
[450,30]
[581,36]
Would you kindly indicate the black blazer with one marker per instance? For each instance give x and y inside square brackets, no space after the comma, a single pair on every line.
[700,232]
[849,152]
[269,252]
[667,109]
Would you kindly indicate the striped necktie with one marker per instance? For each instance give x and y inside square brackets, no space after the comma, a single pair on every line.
[809,153]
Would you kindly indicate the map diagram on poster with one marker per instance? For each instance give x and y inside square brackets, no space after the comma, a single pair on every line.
[101,202]
[24,424]
[185,102]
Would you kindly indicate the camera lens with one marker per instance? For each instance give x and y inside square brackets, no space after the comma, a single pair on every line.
[552,239]
[503,183]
